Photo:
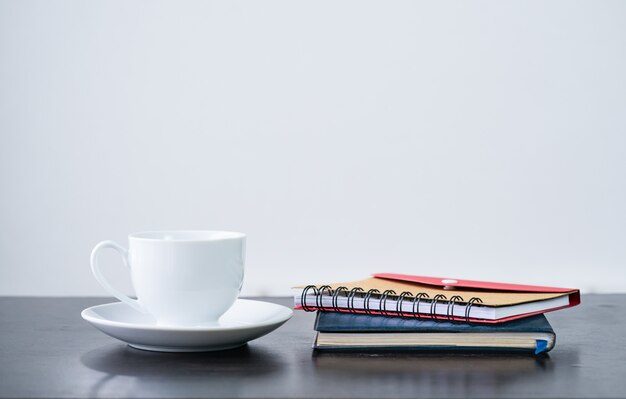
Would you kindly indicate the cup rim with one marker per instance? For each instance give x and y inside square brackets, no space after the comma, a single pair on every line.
[226,235]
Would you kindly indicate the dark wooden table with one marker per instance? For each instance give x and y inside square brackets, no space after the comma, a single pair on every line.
[47,350]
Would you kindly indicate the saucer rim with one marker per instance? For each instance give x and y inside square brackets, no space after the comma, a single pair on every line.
[280,319]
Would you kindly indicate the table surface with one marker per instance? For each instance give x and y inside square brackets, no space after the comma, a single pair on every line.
[47,350]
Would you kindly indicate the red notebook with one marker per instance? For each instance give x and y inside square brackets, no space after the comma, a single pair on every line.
[435,297]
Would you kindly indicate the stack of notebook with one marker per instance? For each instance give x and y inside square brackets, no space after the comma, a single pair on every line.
[396,311]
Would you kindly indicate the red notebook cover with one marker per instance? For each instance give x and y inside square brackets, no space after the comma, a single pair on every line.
[483,285]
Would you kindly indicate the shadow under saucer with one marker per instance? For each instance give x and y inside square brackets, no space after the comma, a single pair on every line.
[161,372]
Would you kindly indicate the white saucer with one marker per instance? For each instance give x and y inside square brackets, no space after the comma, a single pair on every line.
[244,321]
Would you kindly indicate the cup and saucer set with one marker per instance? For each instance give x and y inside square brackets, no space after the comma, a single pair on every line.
[187,285]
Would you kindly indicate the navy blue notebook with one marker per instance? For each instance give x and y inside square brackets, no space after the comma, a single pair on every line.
[359,331]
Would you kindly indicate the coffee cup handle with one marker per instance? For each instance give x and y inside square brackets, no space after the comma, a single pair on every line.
[95,269]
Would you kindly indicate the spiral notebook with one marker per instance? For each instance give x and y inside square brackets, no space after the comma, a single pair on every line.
[434,297]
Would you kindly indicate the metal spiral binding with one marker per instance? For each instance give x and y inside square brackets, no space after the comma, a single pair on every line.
[399,301]
[451,302]
[306,289]
[335,295]
[472,301]
[351,294]
[327,290]
[433,305]
[416,304]
[318,298]
[367,300]
[383,301]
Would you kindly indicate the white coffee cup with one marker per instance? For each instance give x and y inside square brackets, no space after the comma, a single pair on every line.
[182,278]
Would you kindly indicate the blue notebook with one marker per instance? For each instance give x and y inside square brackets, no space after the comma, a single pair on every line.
[347,331]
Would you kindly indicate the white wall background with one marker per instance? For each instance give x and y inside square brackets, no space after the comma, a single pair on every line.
[476,139]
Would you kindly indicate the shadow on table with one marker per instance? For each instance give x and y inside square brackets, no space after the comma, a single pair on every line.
[432,373]
[412,362]
[170,371]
